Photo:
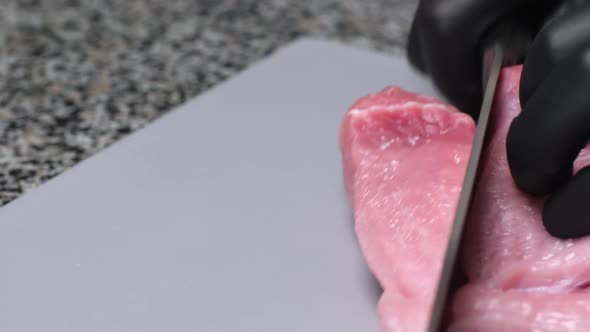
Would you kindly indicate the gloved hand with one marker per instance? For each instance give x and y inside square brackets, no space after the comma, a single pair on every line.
[545,139]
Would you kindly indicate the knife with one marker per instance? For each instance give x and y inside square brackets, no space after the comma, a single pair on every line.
[508,45]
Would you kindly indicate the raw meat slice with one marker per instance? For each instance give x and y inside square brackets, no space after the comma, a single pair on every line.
[508,246]
[509,253]
[404,158]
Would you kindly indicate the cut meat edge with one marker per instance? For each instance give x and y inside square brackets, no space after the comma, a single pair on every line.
[382,136]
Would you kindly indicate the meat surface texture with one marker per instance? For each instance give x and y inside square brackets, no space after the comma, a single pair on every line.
[521,278]
[404,158]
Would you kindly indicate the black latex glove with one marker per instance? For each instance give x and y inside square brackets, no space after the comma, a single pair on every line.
[545,139]
[554,125]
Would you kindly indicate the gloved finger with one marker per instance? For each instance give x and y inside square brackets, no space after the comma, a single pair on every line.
[564,34]
[554,125]
[446,43]
[565,214]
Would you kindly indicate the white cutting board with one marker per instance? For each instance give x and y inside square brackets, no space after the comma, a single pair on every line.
[228,214]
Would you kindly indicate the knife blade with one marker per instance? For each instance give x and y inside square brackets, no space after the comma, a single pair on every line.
[508,48]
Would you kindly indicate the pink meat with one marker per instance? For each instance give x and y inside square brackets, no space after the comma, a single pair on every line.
[404,158]
[481,309]
[511,261]
[508,246]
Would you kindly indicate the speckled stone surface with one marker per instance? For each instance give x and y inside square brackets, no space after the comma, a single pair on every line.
[77,75]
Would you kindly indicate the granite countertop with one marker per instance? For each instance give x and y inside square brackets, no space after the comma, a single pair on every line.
[77,75]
